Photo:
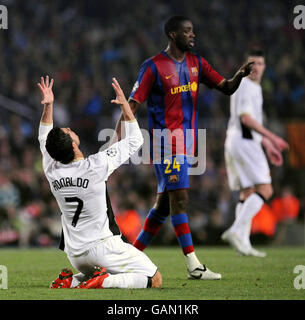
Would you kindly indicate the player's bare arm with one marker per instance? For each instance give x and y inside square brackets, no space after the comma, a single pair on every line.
[273,154]
[251,123]
[228,87]
[47,95]
[122,102]
[134,106]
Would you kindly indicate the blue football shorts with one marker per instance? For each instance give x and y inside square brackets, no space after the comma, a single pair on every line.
[172,173]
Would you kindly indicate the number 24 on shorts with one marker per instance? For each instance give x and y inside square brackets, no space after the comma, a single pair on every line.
[176,165]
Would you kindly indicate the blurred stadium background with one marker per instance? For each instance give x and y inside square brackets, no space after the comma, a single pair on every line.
[82,45]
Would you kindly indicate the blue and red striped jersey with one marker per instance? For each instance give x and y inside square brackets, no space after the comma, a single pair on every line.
[171,91]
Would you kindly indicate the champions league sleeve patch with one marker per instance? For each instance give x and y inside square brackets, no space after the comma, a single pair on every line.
[112,152]
[135,87]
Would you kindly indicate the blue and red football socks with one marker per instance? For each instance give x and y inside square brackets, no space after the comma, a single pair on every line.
[183,232]
[152,225]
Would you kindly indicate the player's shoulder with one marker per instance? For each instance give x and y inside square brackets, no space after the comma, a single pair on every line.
[97,162]
[198,56]
[150,62]
[96,158]
[154,62]
[244,84]
[247,84]
[154,58]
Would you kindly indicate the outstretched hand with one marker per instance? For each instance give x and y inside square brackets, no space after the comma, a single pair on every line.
[120,97]
[274,148]
[46,90]
[246,69]
[274,156]
[280,143]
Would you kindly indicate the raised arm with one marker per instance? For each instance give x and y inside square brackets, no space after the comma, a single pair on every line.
[127,113]
[134,106]
[121,151]
[139,93]
[128,110]
[46,121]
[47,99]
[228,87]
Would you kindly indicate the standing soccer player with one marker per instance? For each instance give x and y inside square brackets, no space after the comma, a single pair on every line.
[92,239]
[247,166]
[169,82]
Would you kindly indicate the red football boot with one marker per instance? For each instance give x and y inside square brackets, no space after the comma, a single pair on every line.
[96,280]
[64,279]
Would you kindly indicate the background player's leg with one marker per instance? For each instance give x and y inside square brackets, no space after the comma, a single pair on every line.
[179,219]
[245,232]
[238,207]
[239,233]
[251,207]
[154,221]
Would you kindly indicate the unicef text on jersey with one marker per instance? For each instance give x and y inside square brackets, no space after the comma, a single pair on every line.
[164,145]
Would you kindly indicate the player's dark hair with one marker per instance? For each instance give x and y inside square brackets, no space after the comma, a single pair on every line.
[174,23]
[255,52]
[59,146]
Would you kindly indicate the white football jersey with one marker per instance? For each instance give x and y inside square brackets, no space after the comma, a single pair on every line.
[80,189]
[247,99]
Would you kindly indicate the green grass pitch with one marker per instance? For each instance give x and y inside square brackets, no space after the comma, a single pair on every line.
[30,272]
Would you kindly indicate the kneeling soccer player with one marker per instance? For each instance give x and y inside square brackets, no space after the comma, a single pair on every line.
[91,237]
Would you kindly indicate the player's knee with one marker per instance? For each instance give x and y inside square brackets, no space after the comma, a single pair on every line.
[179,203]
[268,192]
[179,207]
[161,205]
[162,209]
[157,280]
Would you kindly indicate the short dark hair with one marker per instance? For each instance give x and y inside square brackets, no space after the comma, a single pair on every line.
[255,52]
[174,23]
[59,146]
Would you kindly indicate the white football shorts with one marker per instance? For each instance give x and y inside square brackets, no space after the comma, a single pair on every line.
[246,163]
[116,256]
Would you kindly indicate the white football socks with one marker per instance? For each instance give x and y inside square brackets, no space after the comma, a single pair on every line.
[245,234]
[192,261]
[126,281]
[238,208]
[244,215]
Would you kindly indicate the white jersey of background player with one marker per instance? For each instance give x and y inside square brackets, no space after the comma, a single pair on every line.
[246,163]
[91,235]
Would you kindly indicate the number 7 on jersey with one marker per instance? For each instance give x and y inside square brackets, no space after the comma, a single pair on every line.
[79,208]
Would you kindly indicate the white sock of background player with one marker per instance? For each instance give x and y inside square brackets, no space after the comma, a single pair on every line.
[248,210]
[247,229]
